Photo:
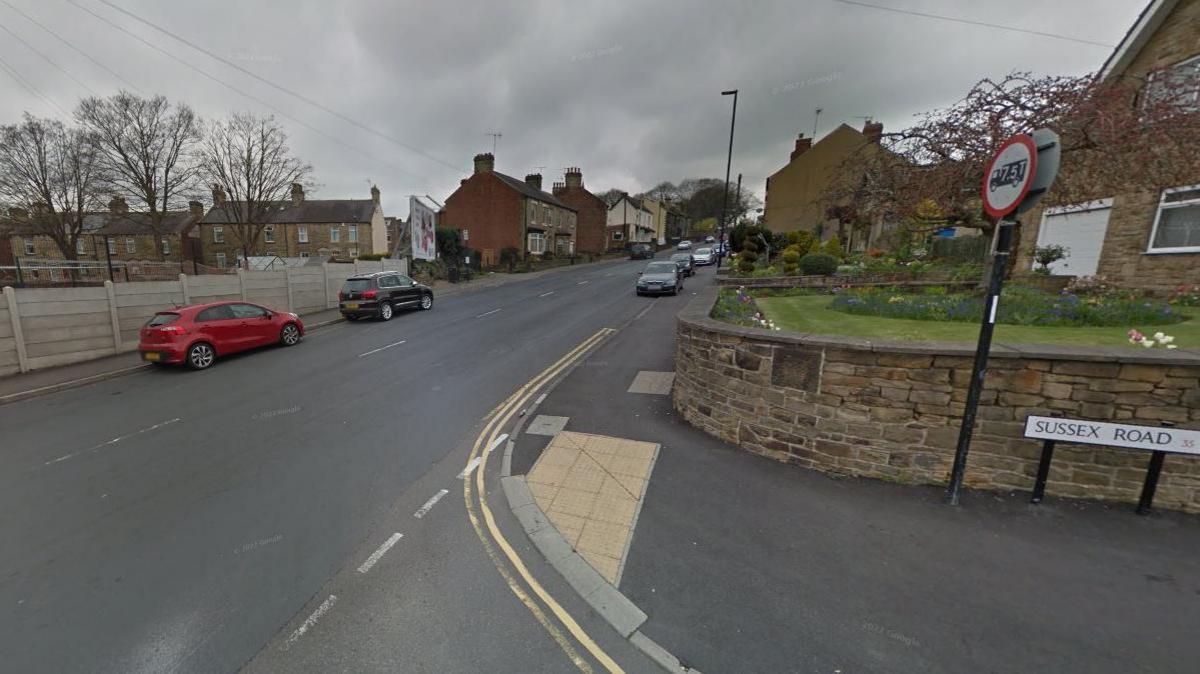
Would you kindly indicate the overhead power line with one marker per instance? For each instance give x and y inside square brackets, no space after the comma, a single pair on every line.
[70,44]
[984,24]
[47,59]
[16,75]
[290,92]
[238,91]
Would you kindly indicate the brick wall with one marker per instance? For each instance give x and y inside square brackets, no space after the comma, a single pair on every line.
[490,210]
[892,410]
[592,218]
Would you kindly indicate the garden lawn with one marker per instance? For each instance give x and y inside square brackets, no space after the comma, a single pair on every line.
[810,313]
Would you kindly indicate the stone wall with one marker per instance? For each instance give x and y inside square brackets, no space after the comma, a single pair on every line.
[891,410]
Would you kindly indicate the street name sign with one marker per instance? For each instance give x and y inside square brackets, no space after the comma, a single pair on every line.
[1130,436]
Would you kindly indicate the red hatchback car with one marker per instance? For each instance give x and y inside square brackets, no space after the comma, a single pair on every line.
[195,335]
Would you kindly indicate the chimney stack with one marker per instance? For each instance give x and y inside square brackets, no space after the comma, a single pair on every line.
[534,180]
[802,145]
[375,194]
[558,188]
[218,194]
[196,209]
[485,163]
[117,205]
[873,131]
[574,177]
[297,194]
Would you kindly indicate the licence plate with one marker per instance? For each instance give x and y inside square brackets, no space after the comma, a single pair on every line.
[152,356]
[351,305]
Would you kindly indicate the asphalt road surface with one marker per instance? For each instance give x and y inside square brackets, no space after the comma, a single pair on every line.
[181,521]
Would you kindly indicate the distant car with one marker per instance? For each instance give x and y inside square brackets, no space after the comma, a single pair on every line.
[685,263]
[683,245]
[703,256]
[660,278]
[641,251]
[196,335]
[379,294]
[710,239]
[720,249]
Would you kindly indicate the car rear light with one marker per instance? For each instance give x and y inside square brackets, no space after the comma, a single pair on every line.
[173,330]
[368,294]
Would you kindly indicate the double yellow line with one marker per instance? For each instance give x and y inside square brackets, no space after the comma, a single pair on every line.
[482,448]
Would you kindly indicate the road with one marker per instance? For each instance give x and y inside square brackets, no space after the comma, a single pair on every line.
[181,521]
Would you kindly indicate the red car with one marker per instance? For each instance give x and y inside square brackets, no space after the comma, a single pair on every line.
[195,335]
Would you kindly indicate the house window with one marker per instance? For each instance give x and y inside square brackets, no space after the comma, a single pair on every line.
[79,247]
[30,249]
[166,246]
[302,233]
[353,252]
[130,245]
[353,235]
[1177,224]
[335,235]
[618,235]
[546,214]
[269,234]
[218,235]
[111,244]
[537,243]
[1177,85]
[220,260]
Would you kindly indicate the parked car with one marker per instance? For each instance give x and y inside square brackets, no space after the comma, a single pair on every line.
[685,263]
[660,278]
[196,335]
[683,245]
[641,251]
[380,293]
[703,256]
[710,239]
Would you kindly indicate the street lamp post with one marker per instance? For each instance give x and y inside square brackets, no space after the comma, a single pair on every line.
[728,163]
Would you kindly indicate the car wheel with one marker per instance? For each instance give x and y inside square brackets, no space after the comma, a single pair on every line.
[289,335]
[385,311]
[426,302]
[200,356]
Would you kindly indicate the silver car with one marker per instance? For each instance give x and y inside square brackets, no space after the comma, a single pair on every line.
[703,256]
[660,278]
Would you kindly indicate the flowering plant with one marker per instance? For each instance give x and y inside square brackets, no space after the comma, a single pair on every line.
[1159,339]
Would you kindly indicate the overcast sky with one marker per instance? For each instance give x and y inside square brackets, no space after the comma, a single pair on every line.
[628,91]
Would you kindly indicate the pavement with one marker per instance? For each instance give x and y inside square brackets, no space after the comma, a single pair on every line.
[743,564]
[263,513]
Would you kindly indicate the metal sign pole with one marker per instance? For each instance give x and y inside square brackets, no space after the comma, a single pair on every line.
[979,368]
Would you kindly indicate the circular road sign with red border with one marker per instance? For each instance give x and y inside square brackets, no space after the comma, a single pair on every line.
[1008,176]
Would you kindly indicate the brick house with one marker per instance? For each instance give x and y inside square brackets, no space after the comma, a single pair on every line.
[592,212]
[496,211]
[131,236]
[629,222]
[302,227]
[1137,239]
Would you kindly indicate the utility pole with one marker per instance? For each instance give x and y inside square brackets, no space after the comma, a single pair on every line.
[728,164]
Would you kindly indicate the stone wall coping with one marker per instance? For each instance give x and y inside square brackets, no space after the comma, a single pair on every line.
[697,313]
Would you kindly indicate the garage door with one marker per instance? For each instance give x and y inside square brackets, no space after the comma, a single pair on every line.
[1081,232]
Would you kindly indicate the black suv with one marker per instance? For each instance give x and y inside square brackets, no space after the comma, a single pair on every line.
[641,251]
[379,294]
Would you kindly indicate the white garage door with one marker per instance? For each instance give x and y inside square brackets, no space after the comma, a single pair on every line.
[1081,231]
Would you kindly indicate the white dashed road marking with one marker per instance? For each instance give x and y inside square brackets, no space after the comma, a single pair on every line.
[381,348]
[546,294]
[112,442]
[424,510]
[487,314]
[581,283]
[311,620]
[380,552]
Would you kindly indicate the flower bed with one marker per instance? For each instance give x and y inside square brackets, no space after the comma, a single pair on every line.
[738,307]
[1019,305]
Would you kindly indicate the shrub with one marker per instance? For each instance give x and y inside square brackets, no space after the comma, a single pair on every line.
[374,256]
[1186,295]
[814,246]
[738,307]
[791,261]
[833,247]
[818,264]
[509,257]
[1047,255]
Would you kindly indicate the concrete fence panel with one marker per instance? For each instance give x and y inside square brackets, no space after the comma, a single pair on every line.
[65,325]
[137,302]
[10,362]
[268,288]
[308,289]
[335,276]
[214,288]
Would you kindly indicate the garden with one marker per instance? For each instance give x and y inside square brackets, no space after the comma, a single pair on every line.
[1088,312]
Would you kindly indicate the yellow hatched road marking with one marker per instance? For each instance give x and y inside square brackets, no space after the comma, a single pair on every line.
[499,417]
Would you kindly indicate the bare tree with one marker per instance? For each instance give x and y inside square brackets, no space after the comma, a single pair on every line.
[147,147]
[52,173]
[247,157]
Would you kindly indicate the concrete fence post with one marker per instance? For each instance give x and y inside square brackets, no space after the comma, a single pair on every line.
[14,314]
[183,288]
[242,282]
[112,314]
[287,278]
[325,277]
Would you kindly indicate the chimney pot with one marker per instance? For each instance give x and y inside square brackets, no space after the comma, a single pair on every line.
[534,180]
[485,163]
[118,205]
[574,177]
[218,194]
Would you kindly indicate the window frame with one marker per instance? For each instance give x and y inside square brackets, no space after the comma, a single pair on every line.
[218,234]
[79,247]
[269,234]
[540,238]
[335,234]
[351,233]
[1169,71]
[30,245]
[110,244]
[166,245]
[221,261]
[1163,205]
[302,233]
[130,245]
